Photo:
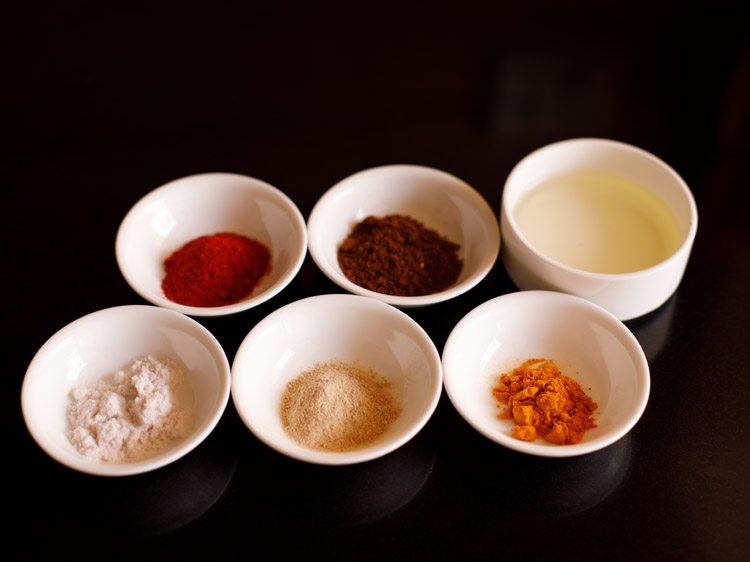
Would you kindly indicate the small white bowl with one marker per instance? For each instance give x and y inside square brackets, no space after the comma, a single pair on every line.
[626,295]
[439,200]
[100,344]
[350,328]
[174,214]
[588,344]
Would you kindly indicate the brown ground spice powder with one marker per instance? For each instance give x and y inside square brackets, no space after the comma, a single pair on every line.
[544,403]
[398,255]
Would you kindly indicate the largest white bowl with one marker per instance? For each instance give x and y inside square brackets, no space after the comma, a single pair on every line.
[439,200]
[626,295]
[103,342]
[588,344]
[174,214]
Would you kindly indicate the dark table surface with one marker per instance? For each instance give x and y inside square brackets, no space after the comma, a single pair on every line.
[102,105]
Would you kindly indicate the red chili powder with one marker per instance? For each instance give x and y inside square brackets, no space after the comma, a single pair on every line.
[215,270]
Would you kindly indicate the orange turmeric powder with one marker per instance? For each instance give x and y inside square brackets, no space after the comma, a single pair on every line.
[544,403]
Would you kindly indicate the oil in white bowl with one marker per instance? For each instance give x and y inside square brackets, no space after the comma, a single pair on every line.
[598,222]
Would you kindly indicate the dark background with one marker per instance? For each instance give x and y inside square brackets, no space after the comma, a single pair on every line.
[103,104]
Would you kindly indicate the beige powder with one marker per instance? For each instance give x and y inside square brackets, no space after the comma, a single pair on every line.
[337,406]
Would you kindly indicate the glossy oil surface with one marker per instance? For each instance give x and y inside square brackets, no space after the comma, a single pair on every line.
[598,222]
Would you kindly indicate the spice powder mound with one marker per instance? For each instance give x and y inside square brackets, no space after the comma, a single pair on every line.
[544,403]
[336,406]
[215,270]
[131,415]
[398,255]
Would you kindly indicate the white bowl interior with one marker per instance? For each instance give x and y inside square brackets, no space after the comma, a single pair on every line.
[350,328]
[103,342]
[180,211]
[587,343]
[439,200]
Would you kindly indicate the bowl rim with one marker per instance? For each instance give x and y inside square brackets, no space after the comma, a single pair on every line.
[332,458]
[96,468]
[459,185]
[507,218]
[614,325]
[250,183]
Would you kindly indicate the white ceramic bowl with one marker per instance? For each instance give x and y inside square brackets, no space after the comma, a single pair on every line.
[439,200]
[103,342]
[349,328]
[626,295]
[172,215]
[588,344]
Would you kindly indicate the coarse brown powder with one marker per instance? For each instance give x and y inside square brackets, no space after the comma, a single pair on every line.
[398,255]
[337,406]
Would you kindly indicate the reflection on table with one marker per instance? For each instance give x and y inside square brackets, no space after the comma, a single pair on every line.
[147,504]
[530,486]
[652,330]
[335,495]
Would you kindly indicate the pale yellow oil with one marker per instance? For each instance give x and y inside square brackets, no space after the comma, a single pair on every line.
[598,222]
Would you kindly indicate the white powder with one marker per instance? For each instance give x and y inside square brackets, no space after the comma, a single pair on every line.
[132,414]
